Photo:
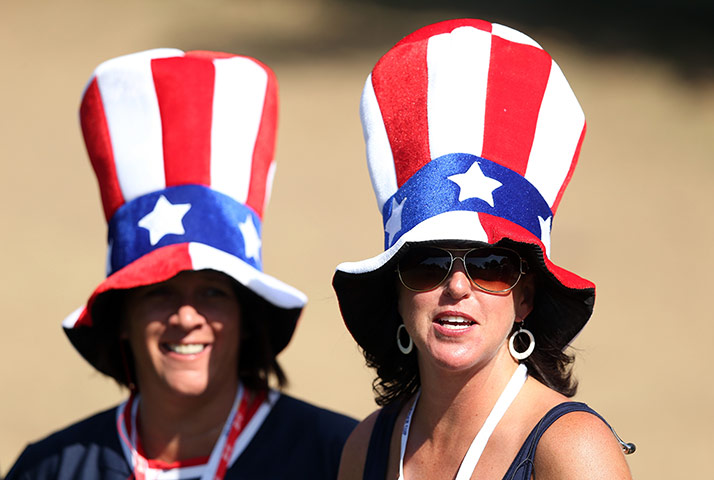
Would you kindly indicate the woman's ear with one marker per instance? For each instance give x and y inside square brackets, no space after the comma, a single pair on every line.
[524,297]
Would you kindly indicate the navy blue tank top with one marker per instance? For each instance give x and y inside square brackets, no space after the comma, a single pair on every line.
[375,467]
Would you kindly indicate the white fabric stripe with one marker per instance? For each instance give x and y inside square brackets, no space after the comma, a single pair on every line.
[560,124]
[459,224]
[182,473]
[278,293]
[71,320]
[380,159]
[458,65]
[512,35]
[132,112]
[238,99]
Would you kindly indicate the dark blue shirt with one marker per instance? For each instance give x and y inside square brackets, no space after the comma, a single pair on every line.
[297,440]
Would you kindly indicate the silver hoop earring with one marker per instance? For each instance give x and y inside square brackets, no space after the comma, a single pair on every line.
[531,344]
[408,349]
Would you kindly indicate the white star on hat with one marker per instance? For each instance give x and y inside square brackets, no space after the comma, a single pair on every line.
[166,218]
[545,232]
[474,184]
[394,224]
[251,239]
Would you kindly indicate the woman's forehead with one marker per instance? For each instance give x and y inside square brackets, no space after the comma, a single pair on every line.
[193,276]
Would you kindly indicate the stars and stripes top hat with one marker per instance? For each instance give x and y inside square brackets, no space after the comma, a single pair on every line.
[182,146]
[472,134]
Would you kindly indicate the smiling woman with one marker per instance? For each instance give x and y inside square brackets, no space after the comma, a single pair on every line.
[182,146]
[184,335]
[472,135]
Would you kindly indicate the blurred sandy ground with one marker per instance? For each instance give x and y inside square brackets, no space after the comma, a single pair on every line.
[637,218]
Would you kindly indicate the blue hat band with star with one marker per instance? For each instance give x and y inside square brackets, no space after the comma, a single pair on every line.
[461,181]
[182,214]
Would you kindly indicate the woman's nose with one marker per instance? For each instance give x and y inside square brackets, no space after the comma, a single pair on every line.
[458,284]
[187,317]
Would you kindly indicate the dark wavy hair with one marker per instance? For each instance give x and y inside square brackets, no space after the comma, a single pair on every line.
[258,366]
[398,374]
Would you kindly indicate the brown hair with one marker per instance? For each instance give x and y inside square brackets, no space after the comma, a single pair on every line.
[398,374]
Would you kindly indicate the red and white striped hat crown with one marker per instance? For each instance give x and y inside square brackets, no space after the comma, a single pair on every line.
[182,146]
[472,133]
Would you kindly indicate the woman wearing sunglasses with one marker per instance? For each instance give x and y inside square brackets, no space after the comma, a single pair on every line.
[182,145]
[472,134]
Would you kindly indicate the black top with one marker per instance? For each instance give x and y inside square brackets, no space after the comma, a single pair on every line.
[297,441]
[521,468]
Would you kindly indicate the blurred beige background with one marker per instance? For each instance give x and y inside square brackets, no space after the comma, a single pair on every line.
[636,220]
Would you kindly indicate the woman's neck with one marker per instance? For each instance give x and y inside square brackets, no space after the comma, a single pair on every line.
[181,428]
[460,401]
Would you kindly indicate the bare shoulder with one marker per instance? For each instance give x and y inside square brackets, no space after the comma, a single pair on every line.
[354,452]
[580,445]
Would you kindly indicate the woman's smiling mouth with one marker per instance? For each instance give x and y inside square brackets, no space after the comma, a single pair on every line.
[453,322]
[184,348]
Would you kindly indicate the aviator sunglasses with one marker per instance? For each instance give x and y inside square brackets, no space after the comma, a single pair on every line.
[492,269]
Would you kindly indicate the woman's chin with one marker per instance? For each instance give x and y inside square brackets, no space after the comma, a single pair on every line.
[459,357]
[453,358]
[193,382]
[186,384]
[188,389]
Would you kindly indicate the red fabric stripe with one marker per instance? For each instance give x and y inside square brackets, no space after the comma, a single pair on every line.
[264,146]
[208,54]
[161,465]
[84,319]
[404,109]
[99,148]
[400,84]
[154,267]
[445,27]
[184,89]
[554,208]
[498,228]
[513,101]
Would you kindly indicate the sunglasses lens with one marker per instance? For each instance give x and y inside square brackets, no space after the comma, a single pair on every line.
[424,268]
[493,269]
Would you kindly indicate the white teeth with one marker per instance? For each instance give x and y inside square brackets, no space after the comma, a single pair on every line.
[454,319]
[453,322]
[186,349]
[455,327]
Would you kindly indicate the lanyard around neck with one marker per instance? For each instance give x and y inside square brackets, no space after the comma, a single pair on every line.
[215,468]
[468,464]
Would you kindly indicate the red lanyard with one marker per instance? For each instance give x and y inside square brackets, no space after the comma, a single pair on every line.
[240,420]
[217,465]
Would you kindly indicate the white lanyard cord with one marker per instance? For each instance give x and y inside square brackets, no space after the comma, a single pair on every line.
[468,464]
